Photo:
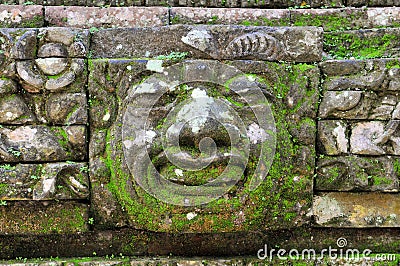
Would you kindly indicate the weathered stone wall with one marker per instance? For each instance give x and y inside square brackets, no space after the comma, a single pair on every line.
[210,3]
[309,112]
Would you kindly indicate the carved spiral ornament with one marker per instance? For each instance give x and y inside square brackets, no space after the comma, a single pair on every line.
[195,119]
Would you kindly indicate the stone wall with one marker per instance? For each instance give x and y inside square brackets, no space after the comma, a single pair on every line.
[107,116]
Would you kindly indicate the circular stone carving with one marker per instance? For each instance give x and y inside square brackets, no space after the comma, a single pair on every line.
[197,117]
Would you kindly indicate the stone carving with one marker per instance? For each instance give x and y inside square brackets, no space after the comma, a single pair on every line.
[375,138]
[35,74]
[347,173]
[336,103]
[332,135]
[344,99]
[359,114]
[257,44]
[44,181]
[184,147]
[42,144]
[202,131]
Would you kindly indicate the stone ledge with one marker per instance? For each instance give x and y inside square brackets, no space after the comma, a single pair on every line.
[211,3]
[294,44]
[21,16]
[43,217]
[87,17]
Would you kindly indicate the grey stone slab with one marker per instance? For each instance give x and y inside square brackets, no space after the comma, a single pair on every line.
[90,17]
[21,16]
[344,210]
[53,109]
[240,16]
[59,181]
[44,218]
[217,42]
[351,173]
[42,144]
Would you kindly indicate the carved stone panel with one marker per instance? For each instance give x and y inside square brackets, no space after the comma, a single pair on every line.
[187,146]
[43,128]
[295,44]
[358,142]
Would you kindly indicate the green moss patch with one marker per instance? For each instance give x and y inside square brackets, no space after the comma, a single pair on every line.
[361,44]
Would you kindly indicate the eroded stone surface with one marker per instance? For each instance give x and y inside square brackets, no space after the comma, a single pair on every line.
[44,181]
[110,128]
[359,118]
[350,173]
[333,137]
[40,143]
[33,217]
[187,15]
[218,42]
[87,17]
[21,16]
[357,209]
[370,96]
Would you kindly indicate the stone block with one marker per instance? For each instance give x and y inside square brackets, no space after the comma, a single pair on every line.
[63,42]
[384,17]
[137,117]
[365,90]
[217,42]
[362,44]
[18,44]
[331,19]
[42,144]
[51,181]
[43,218]
[351,173]
[295,3]
[20,16]
[54,109]
[343,210]
[358,129]
[241,16]
[90,17]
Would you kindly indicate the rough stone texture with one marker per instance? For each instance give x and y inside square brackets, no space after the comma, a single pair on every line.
[357,174]
[289,179]
[217,42]
[362,44]
[359,118]
[331,19]
[42,144]
[346,18]
[210,3]
[44,181]
[47,217]
[59,109]
[373,3]
[87,17]
[267,17]
[357,209]
[74,41]
[389,16]
[21,16]
[333,137]
[360,90]
[201,261]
